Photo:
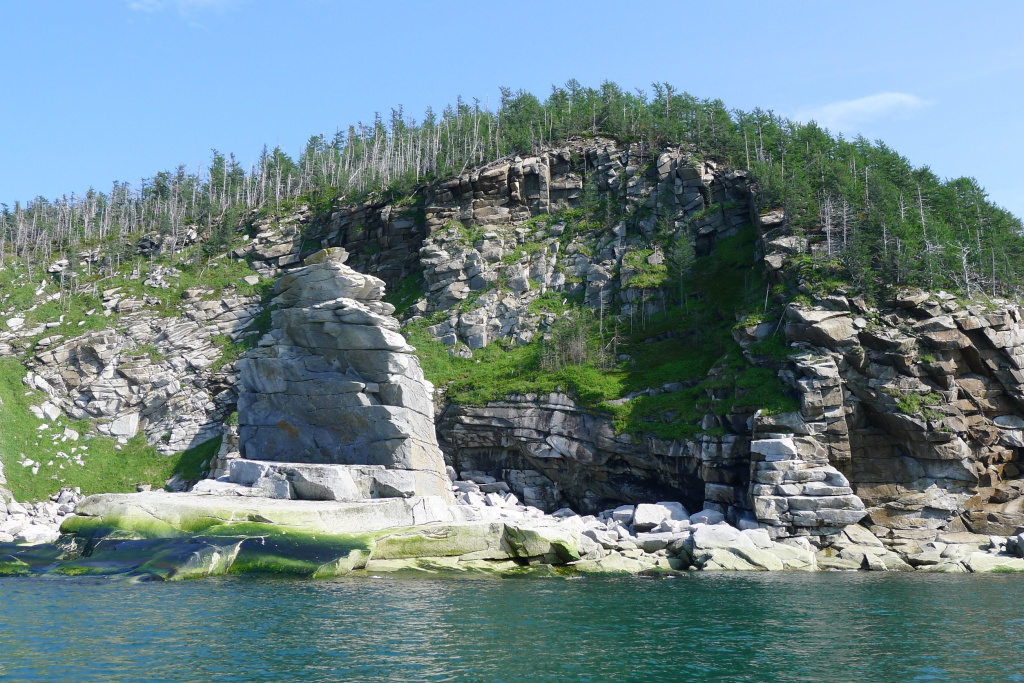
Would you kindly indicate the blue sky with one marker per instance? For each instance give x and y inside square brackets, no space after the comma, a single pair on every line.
[120,89]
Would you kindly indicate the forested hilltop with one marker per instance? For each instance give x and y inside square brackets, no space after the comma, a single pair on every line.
[882,220]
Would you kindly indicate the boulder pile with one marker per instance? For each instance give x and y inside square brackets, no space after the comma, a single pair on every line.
[32,523]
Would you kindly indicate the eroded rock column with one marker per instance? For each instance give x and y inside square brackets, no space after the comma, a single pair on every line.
[335,383]
[796,492]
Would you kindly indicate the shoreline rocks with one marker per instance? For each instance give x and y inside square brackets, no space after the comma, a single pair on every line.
[158,535]
[35,523]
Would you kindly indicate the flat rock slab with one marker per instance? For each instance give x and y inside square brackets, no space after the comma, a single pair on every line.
[155,514]
[431,566]
[980,562]
[164,536]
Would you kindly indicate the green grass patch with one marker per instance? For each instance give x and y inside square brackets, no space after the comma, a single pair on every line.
[406,292]
[522,251]
[916,404]
[641,274]
[151,352]
[553,302]
[773,348]
[16,288]
[466,235]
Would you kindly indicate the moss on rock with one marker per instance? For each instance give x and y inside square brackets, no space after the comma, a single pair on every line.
[476,540]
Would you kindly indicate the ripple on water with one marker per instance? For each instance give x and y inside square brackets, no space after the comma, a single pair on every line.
[749,627]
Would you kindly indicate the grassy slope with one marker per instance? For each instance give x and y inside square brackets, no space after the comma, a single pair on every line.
[106,469]
[222,275]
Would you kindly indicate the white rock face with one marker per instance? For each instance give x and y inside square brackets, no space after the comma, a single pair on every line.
[34,534]
[647,515]
[335,383]
[623,514]
[104,375]
[322,482]
[775,449]
[50,411]
[707,517]
[125,426]
[794,487]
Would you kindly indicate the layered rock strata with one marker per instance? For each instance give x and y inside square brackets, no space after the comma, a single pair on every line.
[335,383]
[154,376]
[551,450]
[919,401]
[794,489]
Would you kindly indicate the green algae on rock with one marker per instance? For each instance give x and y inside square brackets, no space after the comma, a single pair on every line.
[162,536]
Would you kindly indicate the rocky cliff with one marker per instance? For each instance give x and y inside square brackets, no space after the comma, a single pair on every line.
[821,408]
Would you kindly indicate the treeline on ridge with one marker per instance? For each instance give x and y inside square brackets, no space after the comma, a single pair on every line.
[879,220]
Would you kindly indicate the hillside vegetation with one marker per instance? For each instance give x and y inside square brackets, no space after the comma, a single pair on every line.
[872,222]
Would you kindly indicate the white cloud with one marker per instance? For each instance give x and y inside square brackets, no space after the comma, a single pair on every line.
[849,115]
[183,6]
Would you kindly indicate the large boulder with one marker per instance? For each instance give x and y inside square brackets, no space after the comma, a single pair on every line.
[553,543]
[649,515]
[325,482]
[719,547]
[470,540]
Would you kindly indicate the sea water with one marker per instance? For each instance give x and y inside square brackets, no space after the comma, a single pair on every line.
[704,627]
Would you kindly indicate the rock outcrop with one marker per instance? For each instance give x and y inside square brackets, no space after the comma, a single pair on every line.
[918,401]
[33,523]
[154,376]
[904,452]
[795,491]
[334,382]
[551,451]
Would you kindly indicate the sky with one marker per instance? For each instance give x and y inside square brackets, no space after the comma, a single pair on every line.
[108,90]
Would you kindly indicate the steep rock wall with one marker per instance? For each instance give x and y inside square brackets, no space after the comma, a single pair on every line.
[920,402]
[578,453]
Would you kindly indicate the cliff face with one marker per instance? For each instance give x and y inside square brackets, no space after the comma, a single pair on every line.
[910,413]
[906,415]
[924,413]
[151,373]
[484,262]
[553,452]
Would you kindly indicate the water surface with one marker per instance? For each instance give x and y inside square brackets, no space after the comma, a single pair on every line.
[729,627]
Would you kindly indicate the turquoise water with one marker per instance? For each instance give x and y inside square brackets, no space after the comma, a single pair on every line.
[760,627]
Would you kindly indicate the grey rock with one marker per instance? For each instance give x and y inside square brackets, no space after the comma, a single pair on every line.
[623,514]
[648,516]
[707,517]
[336,384]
